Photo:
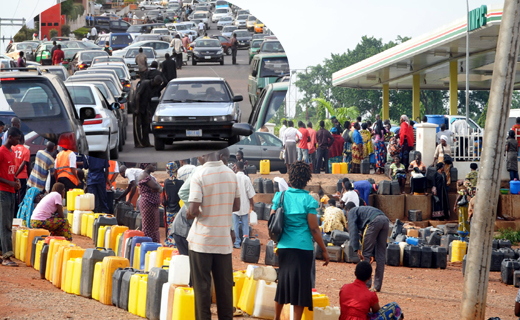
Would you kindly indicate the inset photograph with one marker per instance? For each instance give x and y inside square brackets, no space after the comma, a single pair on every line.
[164,81]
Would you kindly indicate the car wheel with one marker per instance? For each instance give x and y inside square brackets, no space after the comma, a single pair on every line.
[229,51]
[193,62]
[222,61]
[142,9]
[114,153]
[159,144]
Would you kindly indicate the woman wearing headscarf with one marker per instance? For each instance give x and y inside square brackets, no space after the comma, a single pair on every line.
[406,139]
[357,149]
[512,155]
[367,141]
[170,199]
[379,146]
[32,196]
[394,150]
[443,154]
[347,148]
[150,191]
[336,150]
[440,202]
[388,134]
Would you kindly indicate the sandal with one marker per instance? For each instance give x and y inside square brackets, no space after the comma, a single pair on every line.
[9,263]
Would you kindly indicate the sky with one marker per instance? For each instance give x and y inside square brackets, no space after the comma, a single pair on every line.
[310,30]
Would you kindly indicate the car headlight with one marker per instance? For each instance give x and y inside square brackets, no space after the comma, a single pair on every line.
[163,119]
[220,118]
[220,51]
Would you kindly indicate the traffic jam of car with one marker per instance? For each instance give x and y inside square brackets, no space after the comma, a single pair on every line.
[84,102]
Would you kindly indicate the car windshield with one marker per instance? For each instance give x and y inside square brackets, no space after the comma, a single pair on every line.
[87,44]
[33,99]
[132,53]
[58,72]
[161,31]
[229,29]
[221,3]
[89,56]
[221,11]
[121,39]
[272,46]
[259,22]
[242,34]
[69,53]
[24,46]
[107,59]
[199,91]
[274,67]
[81,95]
[242,17]
[119,70]
[226,19]
[146,38]
[256,43]
[199,16]
[207,43]
[258,36]
[111,86]
[251,18]
[102,22]
[103,90]
[134,29]
[181,27]
[277,99]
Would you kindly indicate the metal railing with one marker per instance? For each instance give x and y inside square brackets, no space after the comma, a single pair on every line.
[468,146]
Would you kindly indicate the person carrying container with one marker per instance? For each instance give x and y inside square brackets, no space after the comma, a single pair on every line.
[372,223]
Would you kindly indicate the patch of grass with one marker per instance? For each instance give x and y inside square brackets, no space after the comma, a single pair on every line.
[81,32]
[509,234]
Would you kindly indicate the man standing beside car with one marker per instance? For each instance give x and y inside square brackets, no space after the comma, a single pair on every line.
[234,48]
[93,31]
[143,101]
[142,63]
[169,68]
[177,50]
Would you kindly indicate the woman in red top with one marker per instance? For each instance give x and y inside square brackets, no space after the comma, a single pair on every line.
[406,139]
[359,303]
[336,150]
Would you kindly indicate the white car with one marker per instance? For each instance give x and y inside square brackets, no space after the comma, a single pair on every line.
[160,47]
[149,5]
[133,52]
[103,131]
[204,16]
[220,13]
[163,31]
[224,21]
[227,31]
[240,21]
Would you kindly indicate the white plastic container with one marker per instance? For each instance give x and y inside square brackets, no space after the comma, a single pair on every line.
[164,301]
[107,237]
[264,297]
[92,200]
[76,221]
[249,270]
[85,202]
[253,218]
[153,259]
[401,246]
[327,313]
[179,271]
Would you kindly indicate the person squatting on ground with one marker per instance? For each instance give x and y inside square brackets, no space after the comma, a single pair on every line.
[49,214]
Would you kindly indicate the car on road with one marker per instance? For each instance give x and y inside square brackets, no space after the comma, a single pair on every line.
[198,109]
[220,13]
[227,31]
[106,59]
[43,52]
[250,23]
[242,11]
[43,103]
[149,5]
[269,102]
[133,52]
[259,146]
[110,80]
[207,50]
[240,21]
[114,26]
[271,46]
[255,46]
[69,54]
[7,115]
[265,69]
[224,21]
[138,29]
[60,71]
[204,17]
[150,36]
[259,26]
[116,41]
[154,15]
[83,59]
[243,39]
[221,4]
[103,130]
[85,45]
[160,48]
[13,50]
[182,30]
[224,42]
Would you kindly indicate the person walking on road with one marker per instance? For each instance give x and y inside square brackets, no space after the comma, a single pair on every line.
[97,177]
[150,198]
[186,42]
[202,28]
[325,140]
[169,68]
[234,48]
[290,136]
[107,48]
[214,196]
[143,99]
[54,47]
[372,223]
[247,192]
[93,32]
[21,62]
[66,171]
[9,184]
[178,49]
[142,63]
[58,56]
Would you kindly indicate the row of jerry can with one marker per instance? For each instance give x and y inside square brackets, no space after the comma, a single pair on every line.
[78,200]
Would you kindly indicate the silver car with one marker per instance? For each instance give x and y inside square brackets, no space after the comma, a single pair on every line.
[227,31]
[133,52]
[224,21]
[259,146]
[198,109]
[240,21]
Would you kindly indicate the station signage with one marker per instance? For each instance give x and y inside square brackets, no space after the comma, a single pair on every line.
[477,18]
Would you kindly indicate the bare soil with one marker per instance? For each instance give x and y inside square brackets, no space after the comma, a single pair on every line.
[422,293]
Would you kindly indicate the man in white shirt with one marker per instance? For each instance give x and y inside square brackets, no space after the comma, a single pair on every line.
[132,174]
[350,195]
[93,33]
[214,196]
[202,26]
[283,128]
[447,133]
[185,170]
[290,136]
[247,192]
[461,128]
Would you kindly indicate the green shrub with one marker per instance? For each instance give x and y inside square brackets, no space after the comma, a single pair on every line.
[509,234]
[81,32]
[53,33]
[65,30]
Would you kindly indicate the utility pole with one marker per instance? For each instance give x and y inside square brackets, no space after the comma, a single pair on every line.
[11,23]
[473,306]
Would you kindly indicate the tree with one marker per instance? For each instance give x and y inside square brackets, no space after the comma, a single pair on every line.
[342,114]
[53,33]
[71,9]
[25,34]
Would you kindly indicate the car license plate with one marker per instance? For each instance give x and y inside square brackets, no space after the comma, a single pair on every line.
[207,57]
[194,133]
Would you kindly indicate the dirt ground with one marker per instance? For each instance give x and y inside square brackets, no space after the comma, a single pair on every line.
[422,293]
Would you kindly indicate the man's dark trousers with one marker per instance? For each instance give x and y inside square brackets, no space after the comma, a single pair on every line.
[100,194]
[323,156]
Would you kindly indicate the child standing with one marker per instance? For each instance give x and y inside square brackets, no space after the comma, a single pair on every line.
[462,203]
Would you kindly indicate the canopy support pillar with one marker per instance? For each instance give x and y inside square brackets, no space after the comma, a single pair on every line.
[453,88]
[386,102]
[416,97]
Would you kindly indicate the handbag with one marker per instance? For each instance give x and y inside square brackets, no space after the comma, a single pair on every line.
[282,155]
[276,222]
[463,202]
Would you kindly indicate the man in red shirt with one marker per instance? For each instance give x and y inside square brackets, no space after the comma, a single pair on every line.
[58,56]
[312,145]
[8,185]
[303,149]
[22,159]
[516,129]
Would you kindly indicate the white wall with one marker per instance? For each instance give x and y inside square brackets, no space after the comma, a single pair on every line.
[463,169]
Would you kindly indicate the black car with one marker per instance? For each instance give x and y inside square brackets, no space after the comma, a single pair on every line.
[43,103]
[207,50]
[243,38]
[6,116]
[83,59]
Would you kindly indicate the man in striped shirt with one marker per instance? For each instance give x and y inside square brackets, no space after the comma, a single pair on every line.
[44,162]
[214,196]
